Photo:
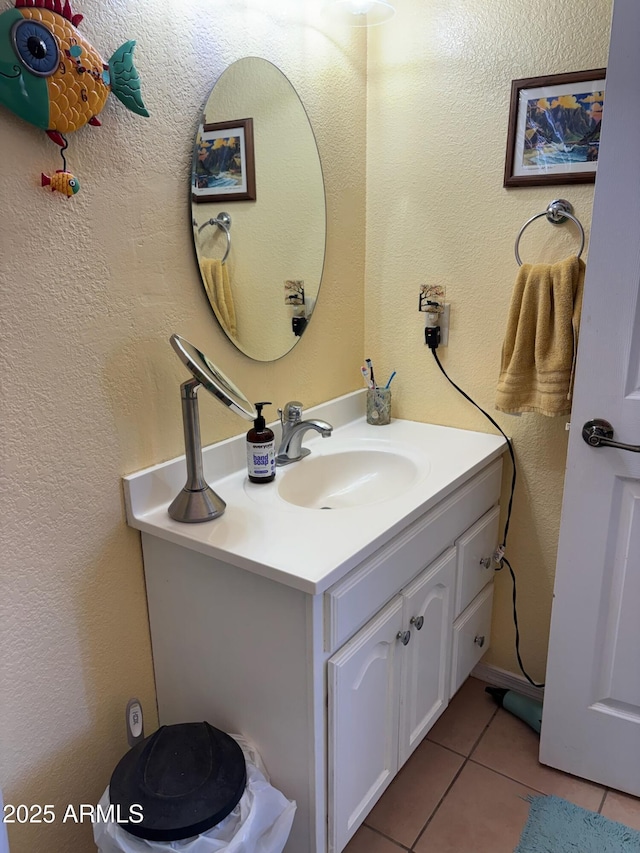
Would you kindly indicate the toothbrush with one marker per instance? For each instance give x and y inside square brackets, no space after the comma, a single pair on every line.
[365,376]
[369,364]
[390,380]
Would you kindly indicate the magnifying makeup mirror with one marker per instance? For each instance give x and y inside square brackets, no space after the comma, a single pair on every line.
[197,501]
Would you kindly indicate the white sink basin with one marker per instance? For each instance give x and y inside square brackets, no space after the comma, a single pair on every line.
[382,477]
[349,478]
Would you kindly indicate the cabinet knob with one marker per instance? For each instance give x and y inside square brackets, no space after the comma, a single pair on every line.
[479,640]
[485,562]
[418,621]
[404,637]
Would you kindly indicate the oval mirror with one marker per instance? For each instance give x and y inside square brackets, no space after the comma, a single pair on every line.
[258,209]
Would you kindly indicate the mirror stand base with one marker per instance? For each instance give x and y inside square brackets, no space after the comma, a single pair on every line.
[196,506]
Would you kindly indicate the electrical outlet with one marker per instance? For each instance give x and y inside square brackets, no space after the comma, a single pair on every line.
[436,311]
[444,325]
[441,320]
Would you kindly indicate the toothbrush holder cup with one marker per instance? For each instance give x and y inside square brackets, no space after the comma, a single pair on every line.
[378,406]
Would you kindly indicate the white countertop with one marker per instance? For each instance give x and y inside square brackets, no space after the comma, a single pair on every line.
[307,549]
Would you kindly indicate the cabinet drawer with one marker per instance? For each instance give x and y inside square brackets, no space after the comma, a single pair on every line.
[352,601]
[471,636]
[476,545]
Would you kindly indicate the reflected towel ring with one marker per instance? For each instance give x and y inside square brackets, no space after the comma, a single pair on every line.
[223,221]
[557,212]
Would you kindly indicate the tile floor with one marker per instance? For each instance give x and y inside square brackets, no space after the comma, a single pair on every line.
[463,790]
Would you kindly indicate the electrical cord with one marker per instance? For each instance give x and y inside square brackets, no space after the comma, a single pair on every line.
[433,341]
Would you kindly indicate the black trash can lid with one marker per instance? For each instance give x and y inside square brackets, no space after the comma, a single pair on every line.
[187,778]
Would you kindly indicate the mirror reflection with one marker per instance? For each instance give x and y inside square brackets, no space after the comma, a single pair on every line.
[258,209]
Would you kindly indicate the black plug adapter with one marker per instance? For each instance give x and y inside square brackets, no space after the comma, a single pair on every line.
[432,336]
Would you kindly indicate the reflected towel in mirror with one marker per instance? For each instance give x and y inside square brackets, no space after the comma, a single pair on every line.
[541,339]
[216,282]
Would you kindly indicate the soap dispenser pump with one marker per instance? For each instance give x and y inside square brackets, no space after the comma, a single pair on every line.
[261,450]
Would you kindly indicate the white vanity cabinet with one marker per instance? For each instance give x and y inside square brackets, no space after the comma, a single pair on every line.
[324,684]
[286,625]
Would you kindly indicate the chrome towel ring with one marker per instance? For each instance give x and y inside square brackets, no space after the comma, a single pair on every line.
[223,221]
[558,211]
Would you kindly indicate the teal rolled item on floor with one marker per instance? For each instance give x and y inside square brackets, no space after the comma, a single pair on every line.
[529,710]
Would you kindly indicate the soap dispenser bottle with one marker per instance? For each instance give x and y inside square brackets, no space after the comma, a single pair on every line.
[261,450]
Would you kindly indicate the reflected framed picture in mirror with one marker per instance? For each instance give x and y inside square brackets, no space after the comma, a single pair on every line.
[224,167]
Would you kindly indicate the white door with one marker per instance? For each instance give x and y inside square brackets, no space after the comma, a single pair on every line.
[426,670]
[363,686]
[591,719]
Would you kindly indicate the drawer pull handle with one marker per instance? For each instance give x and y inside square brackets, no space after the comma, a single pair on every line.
[479,640]
[418,621]
[485,562]
[404,637]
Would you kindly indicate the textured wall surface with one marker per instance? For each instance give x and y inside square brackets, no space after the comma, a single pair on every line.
[93,287]
[439,78]
[91,290]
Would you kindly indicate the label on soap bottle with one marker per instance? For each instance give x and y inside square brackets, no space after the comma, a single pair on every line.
[261,459]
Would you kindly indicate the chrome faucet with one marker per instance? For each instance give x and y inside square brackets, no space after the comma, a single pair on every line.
[293,428]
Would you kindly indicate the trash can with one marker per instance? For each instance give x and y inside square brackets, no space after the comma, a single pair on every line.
[194,789]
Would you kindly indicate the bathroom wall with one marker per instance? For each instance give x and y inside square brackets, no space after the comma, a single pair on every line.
[92,288]
[439,77]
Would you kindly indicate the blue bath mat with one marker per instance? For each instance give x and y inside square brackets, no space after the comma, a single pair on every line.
[556,826]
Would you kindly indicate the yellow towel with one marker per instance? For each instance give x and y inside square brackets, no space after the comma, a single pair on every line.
[539,350]
[216,283]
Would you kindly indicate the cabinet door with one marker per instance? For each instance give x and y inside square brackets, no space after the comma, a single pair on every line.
[428,614]
[363,689]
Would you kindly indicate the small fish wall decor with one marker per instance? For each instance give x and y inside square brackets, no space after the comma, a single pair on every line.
[62,182]
[51,77]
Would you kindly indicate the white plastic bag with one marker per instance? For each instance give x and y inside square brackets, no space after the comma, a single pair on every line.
[260,823]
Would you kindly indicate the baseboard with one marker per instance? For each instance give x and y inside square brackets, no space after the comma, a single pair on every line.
[503,678]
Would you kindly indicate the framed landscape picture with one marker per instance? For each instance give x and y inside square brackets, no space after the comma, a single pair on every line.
[554,129]
[224,163]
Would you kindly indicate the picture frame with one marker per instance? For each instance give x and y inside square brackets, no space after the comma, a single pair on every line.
[554,129]
[224,162]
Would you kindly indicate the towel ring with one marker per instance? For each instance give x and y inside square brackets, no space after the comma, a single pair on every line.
[223,221]
[557,212]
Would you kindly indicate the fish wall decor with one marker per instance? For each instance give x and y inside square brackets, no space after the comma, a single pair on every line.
[51,77]
[62,182]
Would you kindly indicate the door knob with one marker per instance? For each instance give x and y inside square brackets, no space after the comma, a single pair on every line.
[479,640]
[417,621]
[599,433]
[404,637]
